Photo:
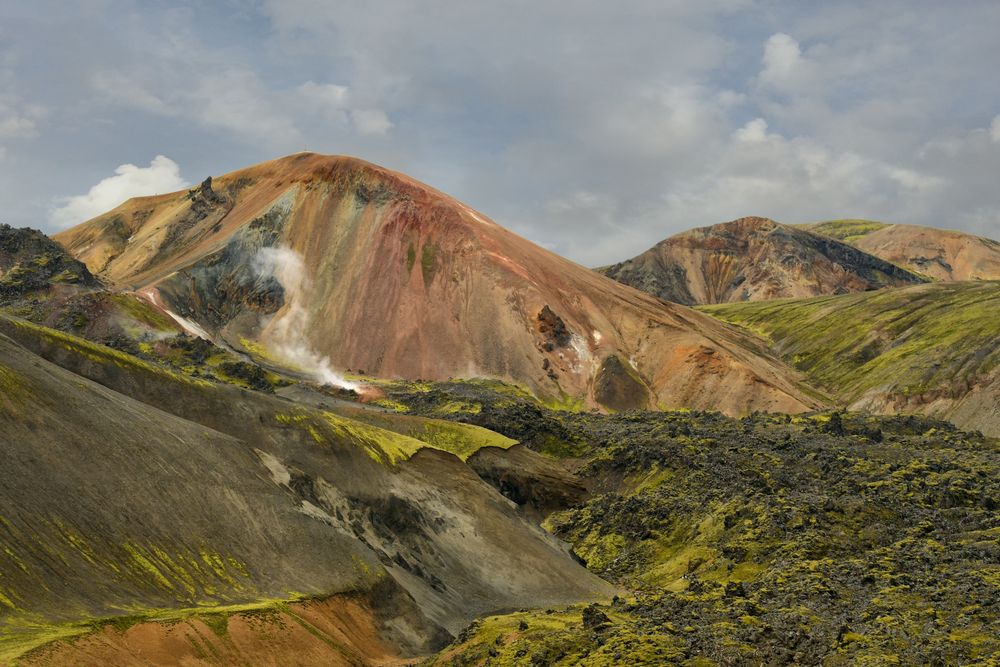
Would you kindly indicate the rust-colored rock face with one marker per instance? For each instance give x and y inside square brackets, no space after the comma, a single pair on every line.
[753,259]
[938,253]
[399,280]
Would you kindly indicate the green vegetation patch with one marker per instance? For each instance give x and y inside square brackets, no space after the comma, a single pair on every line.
[14,392]
[834,539]
[501,407]
[429,261]
[930,338]
[99,354]
[847,230]
[390,438]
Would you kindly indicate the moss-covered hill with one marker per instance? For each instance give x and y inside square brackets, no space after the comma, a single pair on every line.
[30,261]
[847,230]
[939,254]
[834,539]
[933,348]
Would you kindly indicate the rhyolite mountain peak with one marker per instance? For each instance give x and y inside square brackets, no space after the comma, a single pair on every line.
[369,270]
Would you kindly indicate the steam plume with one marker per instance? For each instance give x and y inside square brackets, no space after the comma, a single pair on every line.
[286,334]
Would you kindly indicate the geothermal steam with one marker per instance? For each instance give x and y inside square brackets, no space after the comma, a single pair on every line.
[286,334]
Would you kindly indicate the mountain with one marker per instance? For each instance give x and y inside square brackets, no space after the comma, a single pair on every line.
[752,259]
[940,254]
[932,349]
[135,498]
[317,261]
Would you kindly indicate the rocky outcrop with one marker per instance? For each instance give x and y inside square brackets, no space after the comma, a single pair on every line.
[32,262]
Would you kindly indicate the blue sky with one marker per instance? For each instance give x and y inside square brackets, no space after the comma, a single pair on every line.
[593,128]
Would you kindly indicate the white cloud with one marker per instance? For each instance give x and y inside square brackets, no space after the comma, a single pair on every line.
[335,102]
[326,94]
[912,180]
[753,132]
[371,121]
[19,122]
[119,87]
[782,60]
[162,175]
[680,114]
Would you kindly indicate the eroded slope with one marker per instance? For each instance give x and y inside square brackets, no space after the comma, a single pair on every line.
[221,496]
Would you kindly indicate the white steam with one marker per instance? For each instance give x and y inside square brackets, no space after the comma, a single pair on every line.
[286,334]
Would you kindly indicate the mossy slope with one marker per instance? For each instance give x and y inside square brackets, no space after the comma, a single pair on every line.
[830,539]
[190,492]
[927,348]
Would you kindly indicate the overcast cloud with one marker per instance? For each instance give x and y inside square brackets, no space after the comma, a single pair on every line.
[593,128]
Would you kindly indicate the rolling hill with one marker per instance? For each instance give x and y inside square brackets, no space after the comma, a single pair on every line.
[753,259]
[932,349]
[940,254]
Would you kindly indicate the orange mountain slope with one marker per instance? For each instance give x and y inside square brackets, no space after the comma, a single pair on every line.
[941,254]
[313,259]
[754,259]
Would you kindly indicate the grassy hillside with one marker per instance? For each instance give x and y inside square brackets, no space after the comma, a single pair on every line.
[847,230]
[834,539]
[932,340]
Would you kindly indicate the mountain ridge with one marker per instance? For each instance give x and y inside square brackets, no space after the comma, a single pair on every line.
[941,254]
[753,258]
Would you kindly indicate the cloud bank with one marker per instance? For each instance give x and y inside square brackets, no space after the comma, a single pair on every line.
[595,132]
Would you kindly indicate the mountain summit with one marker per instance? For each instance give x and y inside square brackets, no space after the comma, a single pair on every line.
[313,260]
[752,259]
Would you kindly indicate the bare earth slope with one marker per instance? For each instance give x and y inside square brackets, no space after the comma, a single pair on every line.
[941,254]
[753,259]
[383,274]
[931,349]
[218,496]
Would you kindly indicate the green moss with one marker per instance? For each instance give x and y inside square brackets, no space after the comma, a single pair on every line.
[428,261]
[411,257]
[100,354]
[906,342]
[143,313]
[390,404]
[459,407]
[846,230]
[14,392]
[390,438]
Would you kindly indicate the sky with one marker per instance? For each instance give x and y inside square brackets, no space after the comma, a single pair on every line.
[593,128]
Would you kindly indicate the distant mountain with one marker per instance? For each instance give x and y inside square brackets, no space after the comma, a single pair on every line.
[752,259]
[931,349]
[313,257]
[940,254]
